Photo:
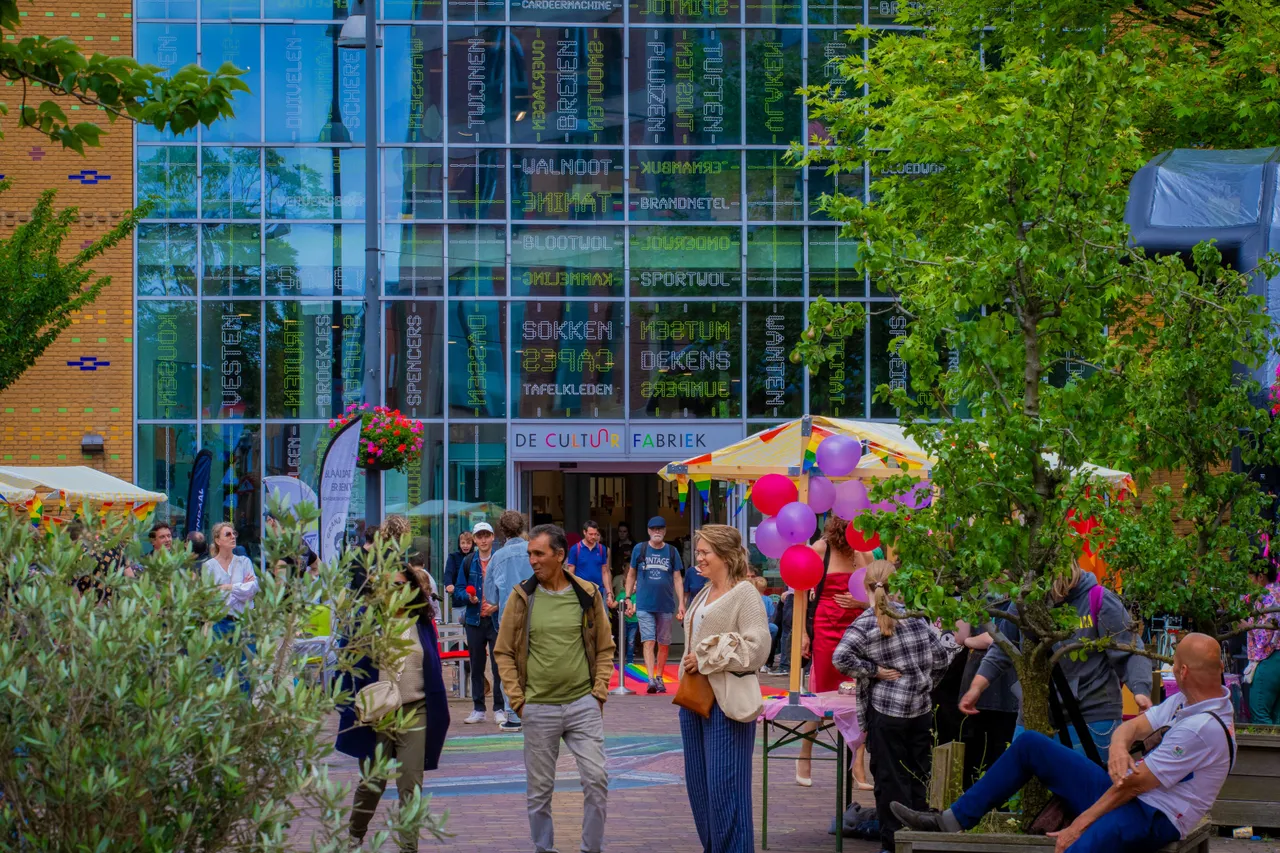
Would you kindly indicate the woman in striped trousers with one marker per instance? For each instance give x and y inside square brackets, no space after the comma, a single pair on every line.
[727,640]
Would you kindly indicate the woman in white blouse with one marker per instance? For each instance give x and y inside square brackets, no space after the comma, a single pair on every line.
[232,573]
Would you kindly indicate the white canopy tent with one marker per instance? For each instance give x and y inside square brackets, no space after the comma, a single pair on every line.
[77,483]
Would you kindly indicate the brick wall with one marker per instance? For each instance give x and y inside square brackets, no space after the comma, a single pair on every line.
[84,381]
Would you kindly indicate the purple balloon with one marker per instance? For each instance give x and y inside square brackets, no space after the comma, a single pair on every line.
[769,540]
[884,506]
[838,455]
[851,499]
[918,496]
[858,585]
[822,494]
[796,523]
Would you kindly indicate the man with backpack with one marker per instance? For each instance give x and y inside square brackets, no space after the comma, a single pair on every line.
[589,560]
[655,592]
[478,620]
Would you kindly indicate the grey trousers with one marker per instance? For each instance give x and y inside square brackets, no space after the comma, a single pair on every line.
[408,747]
[581,725]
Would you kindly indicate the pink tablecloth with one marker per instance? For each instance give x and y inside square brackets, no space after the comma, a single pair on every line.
[842,709]
[1171,686]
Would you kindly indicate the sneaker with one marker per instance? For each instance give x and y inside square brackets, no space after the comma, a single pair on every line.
[500,717]
[783,672]
[764,670]
[925,821]
[653,687]
[476,717]
[662,686]
[510,727]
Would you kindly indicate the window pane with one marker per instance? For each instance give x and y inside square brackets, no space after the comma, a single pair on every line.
[413,112]
[414,264]
[887,323]
[775,386]
[775,261]
[570,11]
[418,494]
[821,184]
[168,177]
[828,50]
[230,359]
[414,343]
[477,476]
[833,265]
[684,87]
[478,359]
[166,339]
[566,184]
[477,183]
[476,80]
[554,261]
[230,9]
[235,482]
[166,9]
[774,73]
[477,260]
[686,262]
[315,358]
[694,186]
[314,92]
[315,260]
[840,12]
[171,46]
[414,187]
[839,388]
[569,359]
[165,457]
[477,10]
[686,360]
[676,12]
[296,450]
[315,183]
[566,85]
[307,10]
[166,260]
[773,11]
[232,260]
[410,10]
[774,187]
[237,44]
[232,185]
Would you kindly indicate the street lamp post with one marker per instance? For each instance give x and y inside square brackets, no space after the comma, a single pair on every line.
[360,30]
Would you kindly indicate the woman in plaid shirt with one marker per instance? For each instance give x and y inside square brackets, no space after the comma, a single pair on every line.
[897,662]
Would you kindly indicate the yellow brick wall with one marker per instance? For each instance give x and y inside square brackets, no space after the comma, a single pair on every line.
[45,413]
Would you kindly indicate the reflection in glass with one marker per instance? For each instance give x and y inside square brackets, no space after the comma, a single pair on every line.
[775,189]
[167,176]
[477,260]
[566,184]
[828,52]
[833,265]
[295,450]
[837,12]
[410,10]
[418,495]
[170,46]
[568,359]
[478,359]
[684,87]
[413,65]
[414,183]
[695,186]
[774,73]
[235,485]
[692,262]
[414,343]
[166,260]
[477,10]
[678,12]
[775,386]
[232,260]
[839,388]
[566,85]
[315,260]
[232,185]
[475,80]
[174,9]
[477,183]
[315,358]
[822,185]
[315,183]
[414,264]
[888,323]
[307,10]
[166,368]
[237,44]
[554,261]
[477,476]
[686,359]
[775,261]
[230,359]
[230,9]
[569,11]
[163,464]
[773,11]
[313,91]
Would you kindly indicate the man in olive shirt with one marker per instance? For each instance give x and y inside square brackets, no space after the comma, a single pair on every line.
[555,658]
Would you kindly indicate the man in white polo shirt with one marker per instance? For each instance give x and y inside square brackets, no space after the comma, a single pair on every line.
[1132,806]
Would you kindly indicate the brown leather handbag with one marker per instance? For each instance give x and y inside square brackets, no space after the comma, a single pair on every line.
[695,694]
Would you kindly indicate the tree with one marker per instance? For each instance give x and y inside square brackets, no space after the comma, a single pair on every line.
[998,227]
[124,724]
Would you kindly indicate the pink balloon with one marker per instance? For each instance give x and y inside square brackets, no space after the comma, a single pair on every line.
[772,492]
[918,496]
[822,494]
[838,455]
[769,540]
[801,567]
[851,499]
[858,585]
[796,523]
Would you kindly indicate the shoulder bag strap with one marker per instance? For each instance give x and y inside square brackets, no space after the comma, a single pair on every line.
[1231,742]
[1077,719]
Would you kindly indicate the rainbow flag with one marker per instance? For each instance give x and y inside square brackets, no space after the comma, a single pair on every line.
[35,510]
[142,510]
[703,482]
[682,489]
[746,496]
[811,450]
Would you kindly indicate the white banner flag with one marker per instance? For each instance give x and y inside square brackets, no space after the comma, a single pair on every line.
[337,477]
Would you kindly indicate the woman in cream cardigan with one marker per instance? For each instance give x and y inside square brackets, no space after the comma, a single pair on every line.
[727,635]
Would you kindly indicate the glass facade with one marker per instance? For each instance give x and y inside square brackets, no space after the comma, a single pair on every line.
[588,215]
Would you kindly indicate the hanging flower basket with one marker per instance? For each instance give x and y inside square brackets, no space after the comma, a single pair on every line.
[388,440]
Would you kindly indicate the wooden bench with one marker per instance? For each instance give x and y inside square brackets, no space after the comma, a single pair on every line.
[907,841]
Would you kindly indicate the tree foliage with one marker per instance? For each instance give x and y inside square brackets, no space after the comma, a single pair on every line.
[124,725]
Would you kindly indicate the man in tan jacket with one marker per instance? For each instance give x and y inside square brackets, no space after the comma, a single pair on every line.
[555,659]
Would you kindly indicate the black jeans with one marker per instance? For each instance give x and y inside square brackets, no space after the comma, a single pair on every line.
[480,638]
[986,736]
[900,763]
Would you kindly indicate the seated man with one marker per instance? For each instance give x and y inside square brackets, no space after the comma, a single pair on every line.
[1127,808]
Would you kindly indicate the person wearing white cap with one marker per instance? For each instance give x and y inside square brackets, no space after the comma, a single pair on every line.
[479,622]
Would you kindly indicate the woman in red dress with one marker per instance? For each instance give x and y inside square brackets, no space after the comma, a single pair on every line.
[835,611]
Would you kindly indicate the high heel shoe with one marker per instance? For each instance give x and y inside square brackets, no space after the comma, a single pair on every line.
[803,781]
